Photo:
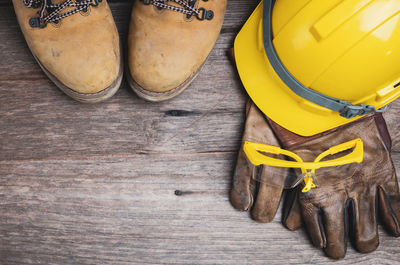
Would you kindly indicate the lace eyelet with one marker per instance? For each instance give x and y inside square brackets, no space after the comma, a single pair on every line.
[36,23]
[50,13]
[204,14]
[186,7]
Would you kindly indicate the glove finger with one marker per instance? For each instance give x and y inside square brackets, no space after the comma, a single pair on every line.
[242,191]
[333,218]
[291,216]
[256,130]
[366,237]
[326,226]
[313,222]
[389,209]
[268,196]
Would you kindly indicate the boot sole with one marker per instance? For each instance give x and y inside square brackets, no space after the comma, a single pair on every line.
[102,95]
[160,96]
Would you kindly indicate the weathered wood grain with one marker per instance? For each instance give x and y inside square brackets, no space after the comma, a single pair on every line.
[114,210]
[96,184]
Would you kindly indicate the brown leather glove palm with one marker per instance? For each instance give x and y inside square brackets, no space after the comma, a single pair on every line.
[349,197]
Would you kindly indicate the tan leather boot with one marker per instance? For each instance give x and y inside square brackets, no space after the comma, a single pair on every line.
[168,42]
[76,43]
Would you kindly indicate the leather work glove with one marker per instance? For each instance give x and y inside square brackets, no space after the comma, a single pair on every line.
[348,198]
[259,189]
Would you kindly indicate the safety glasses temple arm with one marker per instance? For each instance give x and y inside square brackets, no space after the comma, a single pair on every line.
[355,156]
[253,153]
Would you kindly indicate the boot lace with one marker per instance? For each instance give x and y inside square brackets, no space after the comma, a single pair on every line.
[50,13]
[185,7]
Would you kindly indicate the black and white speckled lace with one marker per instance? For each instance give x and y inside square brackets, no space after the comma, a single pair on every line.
[50,12]
[185,7]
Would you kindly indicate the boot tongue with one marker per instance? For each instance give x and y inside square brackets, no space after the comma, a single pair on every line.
[191,3]
[58,1]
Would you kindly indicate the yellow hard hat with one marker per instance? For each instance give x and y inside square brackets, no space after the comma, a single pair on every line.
[313,65]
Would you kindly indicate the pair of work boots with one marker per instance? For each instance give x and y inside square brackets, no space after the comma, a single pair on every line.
[77,45]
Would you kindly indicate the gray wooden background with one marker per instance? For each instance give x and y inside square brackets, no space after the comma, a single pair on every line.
[95,184]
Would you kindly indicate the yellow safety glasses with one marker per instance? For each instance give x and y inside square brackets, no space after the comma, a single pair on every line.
[255,153]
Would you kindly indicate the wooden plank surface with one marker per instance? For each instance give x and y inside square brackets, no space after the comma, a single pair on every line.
[95,184]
